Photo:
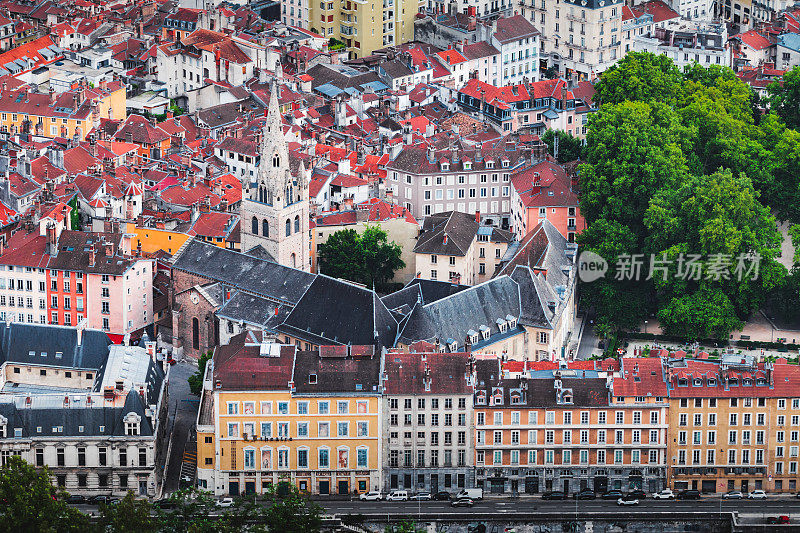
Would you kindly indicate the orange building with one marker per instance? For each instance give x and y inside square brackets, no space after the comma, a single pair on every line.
[568,429]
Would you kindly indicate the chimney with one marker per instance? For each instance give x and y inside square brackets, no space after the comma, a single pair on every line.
[52,96]
[129,136]
[92,254]
[478,217]
[51,239]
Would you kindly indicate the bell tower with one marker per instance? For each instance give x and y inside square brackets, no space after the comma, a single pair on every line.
[274,207]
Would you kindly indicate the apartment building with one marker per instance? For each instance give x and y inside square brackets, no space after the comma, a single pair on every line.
[517,41]
[365,26]
[734,424]
[427,413]
[470,178]
[566,430]
[311,419]
[453,246]
[580,40]
[687,42]
[93,413]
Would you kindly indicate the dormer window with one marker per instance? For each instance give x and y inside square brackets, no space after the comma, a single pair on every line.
[733,382]
[697,382]
[497,398]
[480,398]
[445,165]
[467,165]
[453,345]
[502,325]
[490,164]
[472,335]
[512,321]
[516,398]
[132,424]
[712,382]
[485,332]
[761,381]
[682,382]
[567,398]
[312,379]
[3,426]
[505,163]
[747,382]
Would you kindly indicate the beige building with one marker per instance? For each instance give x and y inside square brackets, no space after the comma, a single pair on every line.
[580,39]
[454,247]
[399,224]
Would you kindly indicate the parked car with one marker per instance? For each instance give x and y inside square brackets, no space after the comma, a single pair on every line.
[733,495]
[442,496]
[665,494]
[98,499]
[397,496]
[757,495]
[76,498]
[585,495]
[628,500]
[639,494]
[421,496]
[462,502]
[225,502]
[372,496]
[612,495]
[783,519]
[554,495]
[689,494]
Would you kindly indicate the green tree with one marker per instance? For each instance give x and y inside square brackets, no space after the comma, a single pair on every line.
[129,515]
[293,513]
[404,526]
[30,502]
[702,315]
[196,379]
[367,258]
[569,147]
[641,76]
[784,97]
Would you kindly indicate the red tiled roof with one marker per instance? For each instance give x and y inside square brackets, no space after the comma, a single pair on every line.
[406,373]
[544,184]
[640,376]
[659,10]
[754,39]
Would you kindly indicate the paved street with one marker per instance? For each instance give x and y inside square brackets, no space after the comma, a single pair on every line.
[182,416]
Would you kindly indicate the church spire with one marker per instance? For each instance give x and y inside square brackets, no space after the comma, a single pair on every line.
[274,178]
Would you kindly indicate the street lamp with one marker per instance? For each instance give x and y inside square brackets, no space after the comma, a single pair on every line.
[645,326]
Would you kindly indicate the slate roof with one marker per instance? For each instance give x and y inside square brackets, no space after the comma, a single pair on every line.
[433,290]
[514,28]
[448,233]
[251,309]
[343,375]
[251,274]
[406,373]
[334,311]
[451,318]
[17,340]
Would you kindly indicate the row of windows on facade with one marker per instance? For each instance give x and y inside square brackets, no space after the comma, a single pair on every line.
[733,437]
[282,429]
[747,458]
[67,375]
[427,459]
[735,402]
[54,319]
[265,458]
[615,437]
[566,417]
[131,428]
[421,418]
[102,458]
[302,407]
[461,180]
[733,419]
[265,226]
[434,438]
[421,402]
[565,457]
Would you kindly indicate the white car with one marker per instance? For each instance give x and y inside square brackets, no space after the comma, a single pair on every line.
[665,494]
[373,496]
[225,502]
[397,496]
[757,495]
[628,500]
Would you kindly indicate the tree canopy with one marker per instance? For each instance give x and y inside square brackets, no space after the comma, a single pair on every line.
[784,97]
[677,165]
[367,258]
[569,147]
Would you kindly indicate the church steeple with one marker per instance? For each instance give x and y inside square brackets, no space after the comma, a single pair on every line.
[274,180]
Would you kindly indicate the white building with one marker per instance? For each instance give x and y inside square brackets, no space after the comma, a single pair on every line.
[517,42]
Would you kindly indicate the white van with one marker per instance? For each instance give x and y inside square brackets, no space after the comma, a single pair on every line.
[474,494]
[397,496]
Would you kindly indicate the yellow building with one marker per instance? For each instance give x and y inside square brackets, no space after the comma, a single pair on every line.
[212,227]
[273,414]
[365,25]
[67,114]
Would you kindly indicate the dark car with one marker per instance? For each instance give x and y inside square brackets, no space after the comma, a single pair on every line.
[76,498]
[585,495]
[689,495]
[612,495]
[639,494]
[783,519]
[554,495]
[462,502]
[442,496]
[100,498]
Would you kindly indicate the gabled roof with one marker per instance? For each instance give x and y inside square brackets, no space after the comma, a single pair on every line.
[514,28]
[406,373]
[448,233]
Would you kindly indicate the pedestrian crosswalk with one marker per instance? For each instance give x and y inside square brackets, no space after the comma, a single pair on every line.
[189,464]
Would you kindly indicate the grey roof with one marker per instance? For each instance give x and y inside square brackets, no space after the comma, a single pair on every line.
[433,290]
[247,308]
[25,343]
[448,233]
[334,311]
[342,375]
[258,276]
[454,316]
[408,296]
[340,76]
[74,422]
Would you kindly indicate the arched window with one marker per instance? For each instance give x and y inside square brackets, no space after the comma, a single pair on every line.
[261,195]
[195,333]
[288,227]
[265,228]
[255,226]
[294,261]
[276,161]
[296,223]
